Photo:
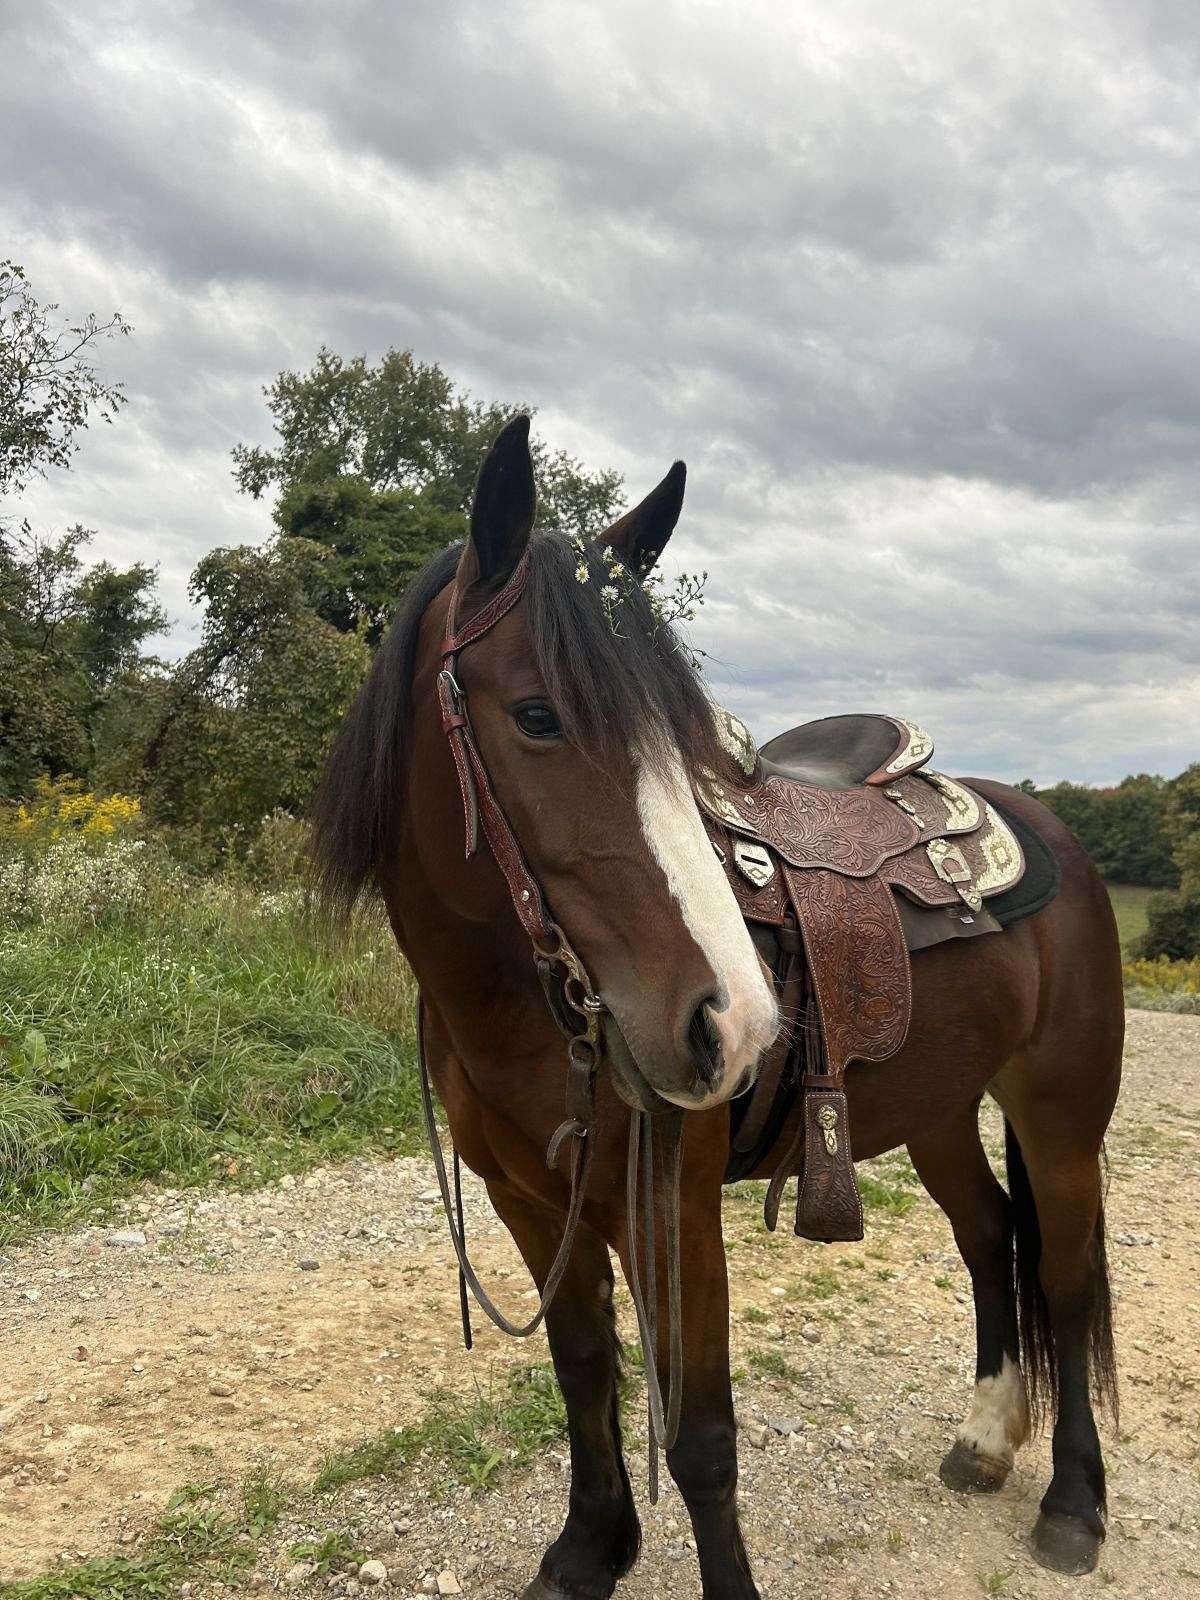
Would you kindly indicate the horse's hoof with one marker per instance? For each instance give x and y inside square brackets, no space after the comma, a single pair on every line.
[1066,1544]
[968,1472]
[542,1589]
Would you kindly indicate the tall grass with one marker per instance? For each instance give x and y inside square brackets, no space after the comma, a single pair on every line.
[204,1029]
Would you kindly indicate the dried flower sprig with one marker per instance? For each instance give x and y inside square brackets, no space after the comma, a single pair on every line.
[670,603]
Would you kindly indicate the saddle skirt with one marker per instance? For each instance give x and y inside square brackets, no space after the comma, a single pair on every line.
[845,853]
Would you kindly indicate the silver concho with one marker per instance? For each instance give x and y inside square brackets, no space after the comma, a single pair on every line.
[827,1118]
[753,861]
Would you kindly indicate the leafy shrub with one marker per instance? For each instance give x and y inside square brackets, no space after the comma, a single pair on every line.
[278,856]
[1163,985]
[1173,925]
[76,884]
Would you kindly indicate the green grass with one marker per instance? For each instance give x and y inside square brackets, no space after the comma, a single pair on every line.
[207,1039]
[1129,906]
[333,1549]
[182,1544]
[214,1533]
[772,1364]
[472,1444]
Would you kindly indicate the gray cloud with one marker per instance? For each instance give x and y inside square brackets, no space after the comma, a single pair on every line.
[912,289]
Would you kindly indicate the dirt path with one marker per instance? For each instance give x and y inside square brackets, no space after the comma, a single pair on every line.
[273,1327]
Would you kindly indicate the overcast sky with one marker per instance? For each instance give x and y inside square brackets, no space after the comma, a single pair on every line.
[912,287]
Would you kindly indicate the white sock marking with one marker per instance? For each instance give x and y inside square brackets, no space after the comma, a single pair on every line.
[998,1422]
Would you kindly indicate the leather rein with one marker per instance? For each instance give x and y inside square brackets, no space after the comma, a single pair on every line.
[577,1009]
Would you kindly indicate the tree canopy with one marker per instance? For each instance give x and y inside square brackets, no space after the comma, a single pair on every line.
[68,637]
[49,389]
[378,463]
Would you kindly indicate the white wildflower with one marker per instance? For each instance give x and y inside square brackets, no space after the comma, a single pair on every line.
[610,592]
[581,573]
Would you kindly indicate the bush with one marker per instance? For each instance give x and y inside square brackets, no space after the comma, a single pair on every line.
[1173,925]
[1163,985]
[278,856]
[63,809]
[75,885]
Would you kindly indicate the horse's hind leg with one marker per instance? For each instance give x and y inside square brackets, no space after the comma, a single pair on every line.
[951,1163]
[1055,1180]
[601,1537]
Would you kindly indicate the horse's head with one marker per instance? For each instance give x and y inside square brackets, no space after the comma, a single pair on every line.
[593,725]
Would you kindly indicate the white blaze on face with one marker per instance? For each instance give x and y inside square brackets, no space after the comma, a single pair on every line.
[675,833]
[998,1422]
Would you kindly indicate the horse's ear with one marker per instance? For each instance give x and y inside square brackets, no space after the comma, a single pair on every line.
[641,534]
[502,511]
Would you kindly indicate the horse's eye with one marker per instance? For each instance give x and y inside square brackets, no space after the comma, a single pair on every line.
[536,720]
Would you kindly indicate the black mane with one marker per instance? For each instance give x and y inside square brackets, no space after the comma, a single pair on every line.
[616,676]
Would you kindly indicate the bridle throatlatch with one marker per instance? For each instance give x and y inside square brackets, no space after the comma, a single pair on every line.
[578,1010]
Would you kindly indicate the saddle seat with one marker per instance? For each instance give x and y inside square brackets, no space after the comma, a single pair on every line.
[844,856]
[841,752]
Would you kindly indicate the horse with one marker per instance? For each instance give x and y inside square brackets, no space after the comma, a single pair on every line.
[587,734]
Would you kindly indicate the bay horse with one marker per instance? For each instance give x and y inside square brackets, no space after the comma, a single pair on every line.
[588,730]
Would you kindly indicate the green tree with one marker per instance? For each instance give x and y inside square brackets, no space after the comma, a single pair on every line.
[115,613]
[243,725]
[1173,920]
[1079,806]
[1136,846]
[378,539]
[378,464]
[1183,820]
[68,636]
[49,389]
[1123,829]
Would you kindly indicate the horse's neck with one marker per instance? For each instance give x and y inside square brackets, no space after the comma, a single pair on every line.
[477,972]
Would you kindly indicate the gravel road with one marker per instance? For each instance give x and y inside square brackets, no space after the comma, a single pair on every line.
[204,1334]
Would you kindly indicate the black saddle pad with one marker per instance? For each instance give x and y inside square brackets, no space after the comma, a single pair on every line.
[1042,879]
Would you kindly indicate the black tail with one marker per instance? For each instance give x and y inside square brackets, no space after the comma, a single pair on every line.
[1033,1313]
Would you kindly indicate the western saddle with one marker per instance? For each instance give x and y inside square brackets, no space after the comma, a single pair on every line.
[845,853]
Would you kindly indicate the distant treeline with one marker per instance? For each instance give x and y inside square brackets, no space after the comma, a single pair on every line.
[1144,830]
[1127,830]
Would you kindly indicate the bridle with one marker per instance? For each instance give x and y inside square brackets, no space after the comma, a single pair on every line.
[578,1010]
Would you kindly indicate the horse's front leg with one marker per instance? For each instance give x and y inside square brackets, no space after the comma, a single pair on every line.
[601,1537]
[703,1461]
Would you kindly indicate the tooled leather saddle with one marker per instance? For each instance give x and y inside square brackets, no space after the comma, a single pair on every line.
[845,854]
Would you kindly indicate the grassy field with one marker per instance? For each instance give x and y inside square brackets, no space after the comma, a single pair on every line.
[1129,904]
[193,1030]
[158,1027]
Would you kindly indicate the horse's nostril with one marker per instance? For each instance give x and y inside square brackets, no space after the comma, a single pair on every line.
[705,1044]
